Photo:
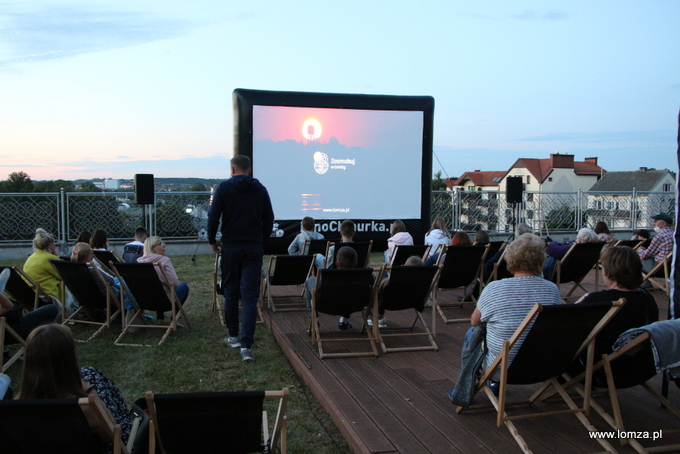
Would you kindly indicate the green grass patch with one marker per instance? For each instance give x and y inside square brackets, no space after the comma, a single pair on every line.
[193,360]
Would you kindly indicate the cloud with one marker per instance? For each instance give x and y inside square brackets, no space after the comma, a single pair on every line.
[209,167]
[553,15]
[62,31]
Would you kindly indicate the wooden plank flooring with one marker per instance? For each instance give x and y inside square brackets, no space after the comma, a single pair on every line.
[397,403]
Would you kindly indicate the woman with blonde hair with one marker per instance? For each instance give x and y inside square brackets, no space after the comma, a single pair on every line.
[154,251]
[400,236]
[51,371]
[38,266]
[438,235]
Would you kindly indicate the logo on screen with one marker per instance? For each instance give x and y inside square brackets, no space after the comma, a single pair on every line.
[320,163]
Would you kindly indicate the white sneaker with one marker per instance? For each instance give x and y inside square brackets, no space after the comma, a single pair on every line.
[247,354]
[382,323]
[233,342]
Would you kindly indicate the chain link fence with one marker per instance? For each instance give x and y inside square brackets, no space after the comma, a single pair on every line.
[184,215]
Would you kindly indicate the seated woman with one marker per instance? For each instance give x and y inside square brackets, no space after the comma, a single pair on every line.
[99,240]
[622,274]
[82,252]
[557,251]
[154,251]
[504,304]
[458,239]
[51,372]
[437,236]
[83,237]
[38,266]
[603,232]
[14,315]
[399,237]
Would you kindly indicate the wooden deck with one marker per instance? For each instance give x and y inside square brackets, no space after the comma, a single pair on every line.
[397,403]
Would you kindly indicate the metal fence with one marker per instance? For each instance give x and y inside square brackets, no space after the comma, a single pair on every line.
[184,215]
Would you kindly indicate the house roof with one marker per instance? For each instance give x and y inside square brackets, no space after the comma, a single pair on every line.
[542,168]
[641,180]
[490,178]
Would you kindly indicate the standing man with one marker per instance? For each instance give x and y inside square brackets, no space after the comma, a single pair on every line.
[244,207]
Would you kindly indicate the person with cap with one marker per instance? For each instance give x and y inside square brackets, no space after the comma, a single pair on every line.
[661,245]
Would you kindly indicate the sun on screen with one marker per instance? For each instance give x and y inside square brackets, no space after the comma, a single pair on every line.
[311,129]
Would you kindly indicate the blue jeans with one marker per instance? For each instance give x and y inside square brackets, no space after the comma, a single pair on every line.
[182,292]
[241,274]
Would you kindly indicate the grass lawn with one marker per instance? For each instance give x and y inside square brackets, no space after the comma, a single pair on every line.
[193,360]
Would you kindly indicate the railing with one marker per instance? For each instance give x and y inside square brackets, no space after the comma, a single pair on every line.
[184,215]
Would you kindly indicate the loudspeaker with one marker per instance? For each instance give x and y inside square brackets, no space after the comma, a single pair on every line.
[513,190]
[144,189]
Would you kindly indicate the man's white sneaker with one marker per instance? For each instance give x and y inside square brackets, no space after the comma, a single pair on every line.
[247,354]
[233,342]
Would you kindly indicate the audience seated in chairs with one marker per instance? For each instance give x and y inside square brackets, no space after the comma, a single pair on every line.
[346,258]
[83,237]
[51,372]
[504,304]
[99,240]
[438,235]
[603,232]
[382,322]
[556,251]
[660,246]
[135,249]
[458,239]
[622,274]
[297,247]
[347,231]
[400,236]
[154,251]
[38,266]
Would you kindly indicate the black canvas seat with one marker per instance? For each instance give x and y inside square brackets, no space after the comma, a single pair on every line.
[402,252]
[105,258]
[576,264]
[286,270]
[31,296]
[218,422]
[362,248]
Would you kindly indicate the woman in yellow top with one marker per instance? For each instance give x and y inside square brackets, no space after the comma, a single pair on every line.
[38,266]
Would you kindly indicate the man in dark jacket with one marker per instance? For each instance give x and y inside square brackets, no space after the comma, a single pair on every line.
[244,207]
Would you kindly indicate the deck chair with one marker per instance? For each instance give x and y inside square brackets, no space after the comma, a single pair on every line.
[363,249]
[659,276]
[408,287]
[56,425]
[555,336]
[142,284]
[217,305]
[25,291]
[402,252]
[343,292]
[631,365]
[105,258]
[633,244]
[312,247]
[5,329]
[218,422]
[82,284]
[494,248]
[575,266]
[286,270]
[461,266]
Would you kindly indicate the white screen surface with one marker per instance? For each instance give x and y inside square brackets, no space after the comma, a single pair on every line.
[339,164]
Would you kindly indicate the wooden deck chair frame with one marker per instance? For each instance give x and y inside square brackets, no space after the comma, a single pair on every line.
[403,251]
[274,441]
[659,276]
[616,420]
[563,276]
[500,270]
[127,273]
[24,290]
[85,289]
[358,246]
[105,258]
[494,248]
[22,420]
[462,269]
[501,362]
[312,247]
[286,270]
[217,305]
[353,285]
[633,244]
[403,293]
[6,329]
